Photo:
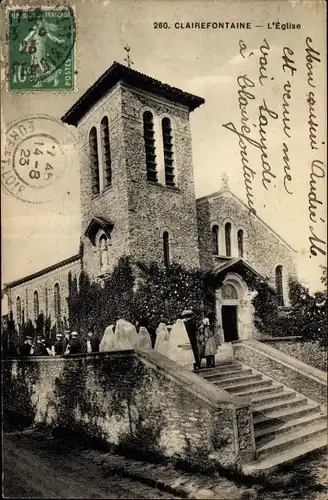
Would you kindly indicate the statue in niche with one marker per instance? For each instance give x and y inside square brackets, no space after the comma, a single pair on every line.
[104,257]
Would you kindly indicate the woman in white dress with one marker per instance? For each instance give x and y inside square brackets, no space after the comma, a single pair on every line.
[108,341]
[162,339]
[144,340]
[126,335]
[179,348]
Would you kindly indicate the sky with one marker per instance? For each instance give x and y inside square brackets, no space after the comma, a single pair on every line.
[206,63]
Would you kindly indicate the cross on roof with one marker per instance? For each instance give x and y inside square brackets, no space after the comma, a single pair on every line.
[225,181]
[127,59]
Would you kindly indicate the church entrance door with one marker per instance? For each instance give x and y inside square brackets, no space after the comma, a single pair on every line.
[229,323]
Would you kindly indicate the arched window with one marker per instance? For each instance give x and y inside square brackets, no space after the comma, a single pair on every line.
[229,292]
[26,304]
[18,311]
[215,240]
[36,305]
[149,138]
[106,156]
[57,304]
[168,151]
[240,240]
[228,239]
[46,300]
[93,144]
[166,248]
[279,286]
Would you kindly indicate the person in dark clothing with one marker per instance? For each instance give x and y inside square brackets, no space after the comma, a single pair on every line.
[75,345]
[40,348]
[94,341]
[13,351]
[60,344]
[27,348]
[190,324]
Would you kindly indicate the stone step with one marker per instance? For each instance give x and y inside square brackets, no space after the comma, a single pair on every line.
[237,387]
[235,380]
[218,368]
[290,439]
[262,435]
[258,391]
[274,396]
[273,417]
[213,377]
[277,406]
[286,456]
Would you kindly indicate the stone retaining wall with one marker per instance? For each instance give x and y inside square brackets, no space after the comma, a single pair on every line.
[132,400]
[286,369]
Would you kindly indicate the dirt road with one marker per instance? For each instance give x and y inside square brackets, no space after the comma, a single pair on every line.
[35,466]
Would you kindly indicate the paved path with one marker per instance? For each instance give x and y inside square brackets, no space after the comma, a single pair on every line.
[35,468]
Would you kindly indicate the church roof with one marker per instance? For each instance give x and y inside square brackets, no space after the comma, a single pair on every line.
[235,264]
[43,271]
[120,73]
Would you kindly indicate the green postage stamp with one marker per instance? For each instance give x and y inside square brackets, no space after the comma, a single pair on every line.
[41,44]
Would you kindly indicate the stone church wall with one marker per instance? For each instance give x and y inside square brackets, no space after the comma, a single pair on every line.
[44,285]
[132,400]
[155,208]
[112,202]
[263,249]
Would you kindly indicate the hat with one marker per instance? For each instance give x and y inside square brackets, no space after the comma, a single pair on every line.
[186,313]
[74,334]
[59,334]
[28,337]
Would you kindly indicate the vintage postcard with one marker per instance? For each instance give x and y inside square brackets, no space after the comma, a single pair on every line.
[164,248]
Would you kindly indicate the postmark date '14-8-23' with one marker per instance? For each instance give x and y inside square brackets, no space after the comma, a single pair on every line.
[41,48]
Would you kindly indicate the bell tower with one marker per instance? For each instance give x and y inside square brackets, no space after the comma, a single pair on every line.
[137,183]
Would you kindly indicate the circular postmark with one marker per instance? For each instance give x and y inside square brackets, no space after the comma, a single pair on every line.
[41,48]
[34,157]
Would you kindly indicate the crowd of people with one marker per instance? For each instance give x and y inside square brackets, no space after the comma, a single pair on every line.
[173,341]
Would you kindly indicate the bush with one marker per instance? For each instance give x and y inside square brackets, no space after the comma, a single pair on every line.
[306,317]
[311,353]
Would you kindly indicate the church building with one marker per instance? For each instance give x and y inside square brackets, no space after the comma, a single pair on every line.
[138,199]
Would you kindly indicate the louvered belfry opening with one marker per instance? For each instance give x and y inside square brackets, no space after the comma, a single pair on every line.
[168,152]
[93,144]
[105,146]
[149,138]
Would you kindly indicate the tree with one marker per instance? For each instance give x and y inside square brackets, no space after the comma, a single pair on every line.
[323,278]
[134,291]
[309,311]
[39,324]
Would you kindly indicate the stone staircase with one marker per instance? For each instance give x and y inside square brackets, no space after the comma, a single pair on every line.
[286,423]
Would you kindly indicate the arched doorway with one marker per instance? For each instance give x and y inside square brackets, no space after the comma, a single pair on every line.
[234,309]
[229,311]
